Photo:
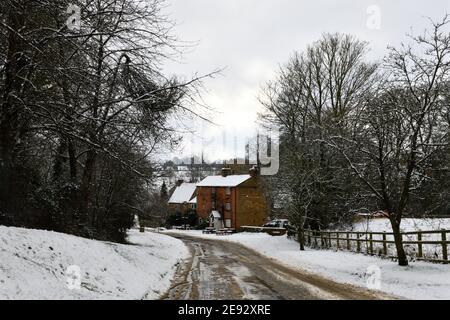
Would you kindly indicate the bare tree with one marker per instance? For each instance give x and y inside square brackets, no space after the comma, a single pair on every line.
[400,130]
[86,102]
[310,100]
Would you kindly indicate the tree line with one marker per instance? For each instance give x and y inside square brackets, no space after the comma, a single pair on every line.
[361,136]
[83,107]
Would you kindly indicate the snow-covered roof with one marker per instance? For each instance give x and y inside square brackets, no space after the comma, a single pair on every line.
[216,214]
[183,193]
[220,181]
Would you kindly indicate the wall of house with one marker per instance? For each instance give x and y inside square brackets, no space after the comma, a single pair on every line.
[205,198]
[251,205]
[247,204]
[203,202]
[178,207]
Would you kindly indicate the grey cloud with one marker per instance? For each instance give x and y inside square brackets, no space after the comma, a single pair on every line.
[252,37]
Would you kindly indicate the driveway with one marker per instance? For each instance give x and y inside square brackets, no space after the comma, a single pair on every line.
[220,270]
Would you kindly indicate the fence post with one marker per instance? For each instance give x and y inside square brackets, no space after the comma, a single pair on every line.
[419,245]
[309,237]
[358,244]
[321,240]
[444,246]
[329,240]
[367,244]
[348,242]
[371,244]
[337,240]
[384,244]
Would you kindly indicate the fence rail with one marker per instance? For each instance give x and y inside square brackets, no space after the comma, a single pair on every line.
[271,231]
[429,246]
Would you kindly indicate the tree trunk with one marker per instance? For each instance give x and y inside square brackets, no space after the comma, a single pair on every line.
[59,159]
[86,184]
[401,255]
[72,161]
[301,238]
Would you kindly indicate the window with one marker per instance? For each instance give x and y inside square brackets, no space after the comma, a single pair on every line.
[228,191]
[213,190]
[228,206]
[227,223]
[213,205]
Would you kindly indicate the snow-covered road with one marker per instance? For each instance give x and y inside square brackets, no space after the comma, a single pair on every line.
[219,270]
[420,280]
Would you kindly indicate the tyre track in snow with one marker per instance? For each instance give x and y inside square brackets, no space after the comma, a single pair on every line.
[220,270]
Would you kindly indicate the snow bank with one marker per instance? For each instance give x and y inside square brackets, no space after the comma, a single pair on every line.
[383,225]
[418,281]
[37,264]
[430,251]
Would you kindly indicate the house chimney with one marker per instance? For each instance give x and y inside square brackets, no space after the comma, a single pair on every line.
[253,171]
[226,172]
[179,182]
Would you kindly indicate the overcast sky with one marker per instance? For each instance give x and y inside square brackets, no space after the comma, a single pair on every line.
[250,38]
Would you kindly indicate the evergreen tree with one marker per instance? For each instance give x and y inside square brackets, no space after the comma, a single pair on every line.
[164,193]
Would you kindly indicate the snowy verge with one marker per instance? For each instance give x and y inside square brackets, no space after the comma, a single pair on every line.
[36,264]
[420,280]
[408,224]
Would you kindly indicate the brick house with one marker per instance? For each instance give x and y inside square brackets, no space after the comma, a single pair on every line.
[183,198]
[237,198]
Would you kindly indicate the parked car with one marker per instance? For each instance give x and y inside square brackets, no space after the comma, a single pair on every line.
[277,223]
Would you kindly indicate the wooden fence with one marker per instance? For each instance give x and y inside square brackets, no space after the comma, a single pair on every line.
[420,245]
[271,231]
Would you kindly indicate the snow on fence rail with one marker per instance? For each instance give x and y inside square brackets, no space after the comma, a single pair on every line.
[429,246]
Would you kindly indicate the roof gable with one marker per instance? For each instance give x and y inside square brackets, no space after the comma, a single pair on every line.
[193,201]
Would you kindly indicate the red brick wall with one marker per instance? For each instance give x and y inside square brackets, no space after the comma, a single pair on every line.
[205,198]
[203,202]
[251,205]
[248,206]
[175,207]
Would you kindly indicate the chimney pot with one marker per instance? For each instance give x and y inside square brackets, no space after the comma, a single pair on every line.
[226,172]
[253,171]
